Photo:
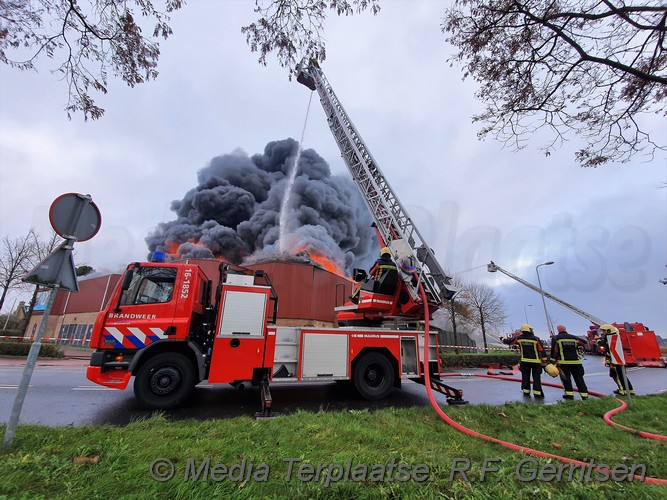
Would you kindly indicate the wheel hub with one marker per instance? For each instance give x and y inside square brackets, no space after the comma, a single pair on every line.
[165,380]
[374,376]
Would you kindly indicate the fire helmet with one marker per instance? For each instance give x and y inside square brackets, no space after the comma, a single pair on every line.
[551,369]
[526,328]
[407,268]
[607,328]
[385,251]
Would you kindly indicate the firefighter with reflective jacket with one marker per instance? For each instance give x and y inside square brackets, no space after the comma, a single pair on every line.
[616,371]
[381,266]
[565,355]
[533,359]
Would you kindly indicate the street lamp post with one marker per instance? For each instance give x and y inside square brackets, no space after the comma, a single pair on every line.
[525,313]
[544,303]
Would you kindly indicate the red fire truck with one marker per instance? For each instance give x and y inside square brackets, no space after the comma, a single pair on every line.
[160,327]
[640,345]
[166,327]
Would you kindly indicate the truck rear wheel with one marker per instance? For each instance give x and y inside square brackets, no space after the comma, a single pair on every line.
[164,381]
[374,376]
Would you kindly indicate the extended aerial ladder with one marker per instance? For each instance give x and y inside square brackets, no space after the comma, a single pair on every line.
[395,229]
[492,268]
[394,226]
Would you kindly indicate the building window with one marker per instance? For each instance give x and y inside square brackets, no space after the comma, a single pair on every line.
[89,334]
[75,335]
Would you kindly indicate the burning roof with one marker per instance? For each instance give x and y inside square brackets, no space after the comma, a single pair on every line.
[302,257]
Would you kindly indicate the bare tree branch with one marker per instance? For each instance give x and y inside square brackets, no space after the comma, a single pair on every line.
[294,29]
[15,259]
[87,37]
[589,68]
[488,308]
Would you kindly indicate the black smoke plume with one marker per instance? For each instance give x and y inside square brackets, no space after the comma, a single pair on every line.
[234,211]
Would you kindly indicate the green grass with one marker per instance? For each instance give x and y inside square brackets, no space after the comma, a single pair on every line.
[116,461]
[644,418]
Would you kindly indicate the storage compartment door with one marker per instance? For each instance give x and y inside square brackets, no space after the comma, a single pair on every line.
[324,356]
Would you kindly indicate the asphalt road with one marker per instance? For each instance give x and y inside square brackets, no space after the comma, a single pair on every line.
[60,394]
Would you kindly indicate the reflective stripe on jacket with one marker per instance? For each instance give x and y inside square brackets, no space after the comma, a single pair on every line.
[531,348]
[380,267]
[564,349]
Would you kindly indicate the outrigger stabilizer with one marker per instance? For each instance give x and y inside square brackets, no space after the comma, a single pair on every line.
[266,400]
[454,396]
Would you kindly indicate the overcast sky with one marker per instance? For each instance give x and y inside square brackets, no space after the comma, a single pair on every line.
[605,228]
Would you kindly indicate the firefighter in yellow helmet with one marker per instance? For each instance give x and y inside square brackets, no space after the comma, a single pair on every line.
[533,359]
[381,266]
[616,372]
[565,355]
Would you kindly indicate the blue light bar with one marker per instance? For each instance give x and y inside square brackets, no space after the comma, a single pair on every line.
[157,256]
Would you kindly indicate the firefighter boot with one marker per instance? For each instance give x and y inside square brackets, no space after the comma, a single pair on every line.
[621,392]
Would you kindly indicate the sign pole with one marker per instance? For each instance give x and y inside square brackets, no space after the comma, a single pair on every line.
[27,374]
[76,218]
[627,387]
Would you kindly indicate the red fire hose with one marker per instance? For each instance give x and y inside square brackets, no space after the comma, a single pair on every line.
[648,435]
[607,416]
[506,444]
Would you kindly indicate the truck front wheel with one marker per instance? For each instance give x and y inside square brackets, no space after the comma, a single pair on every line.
[374,376]
[164,381]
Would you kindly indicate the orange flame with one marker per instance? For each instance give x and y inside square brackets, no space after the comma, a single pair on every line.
[323,261]
[172,246]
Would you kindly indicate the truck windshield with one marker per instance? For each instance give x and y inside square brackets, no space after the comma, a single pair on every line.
[150,285]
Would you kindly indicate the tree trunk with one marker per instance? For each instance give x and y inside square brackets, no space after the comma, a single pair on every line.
[2,299]
[28,314]
[481,320]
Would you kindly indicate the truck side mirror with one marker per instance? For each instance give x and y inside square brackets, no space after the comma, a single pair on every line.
[127,279]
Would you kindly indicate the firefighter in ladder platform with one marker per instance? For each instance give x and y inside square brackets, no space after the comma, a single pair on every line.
[565,355]
[533,359]
[381,266]
[615,370]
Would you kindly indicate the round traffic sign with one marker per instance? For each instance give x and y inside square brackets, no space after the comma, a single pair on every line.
[75,215]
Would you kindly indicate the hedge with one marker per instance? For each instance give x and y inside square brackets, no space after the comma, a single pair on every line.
[10,332]
[23,348]
[467,360]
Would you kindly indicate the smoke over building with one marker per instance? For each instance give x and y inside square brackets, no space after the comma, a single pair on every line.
[234,212]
